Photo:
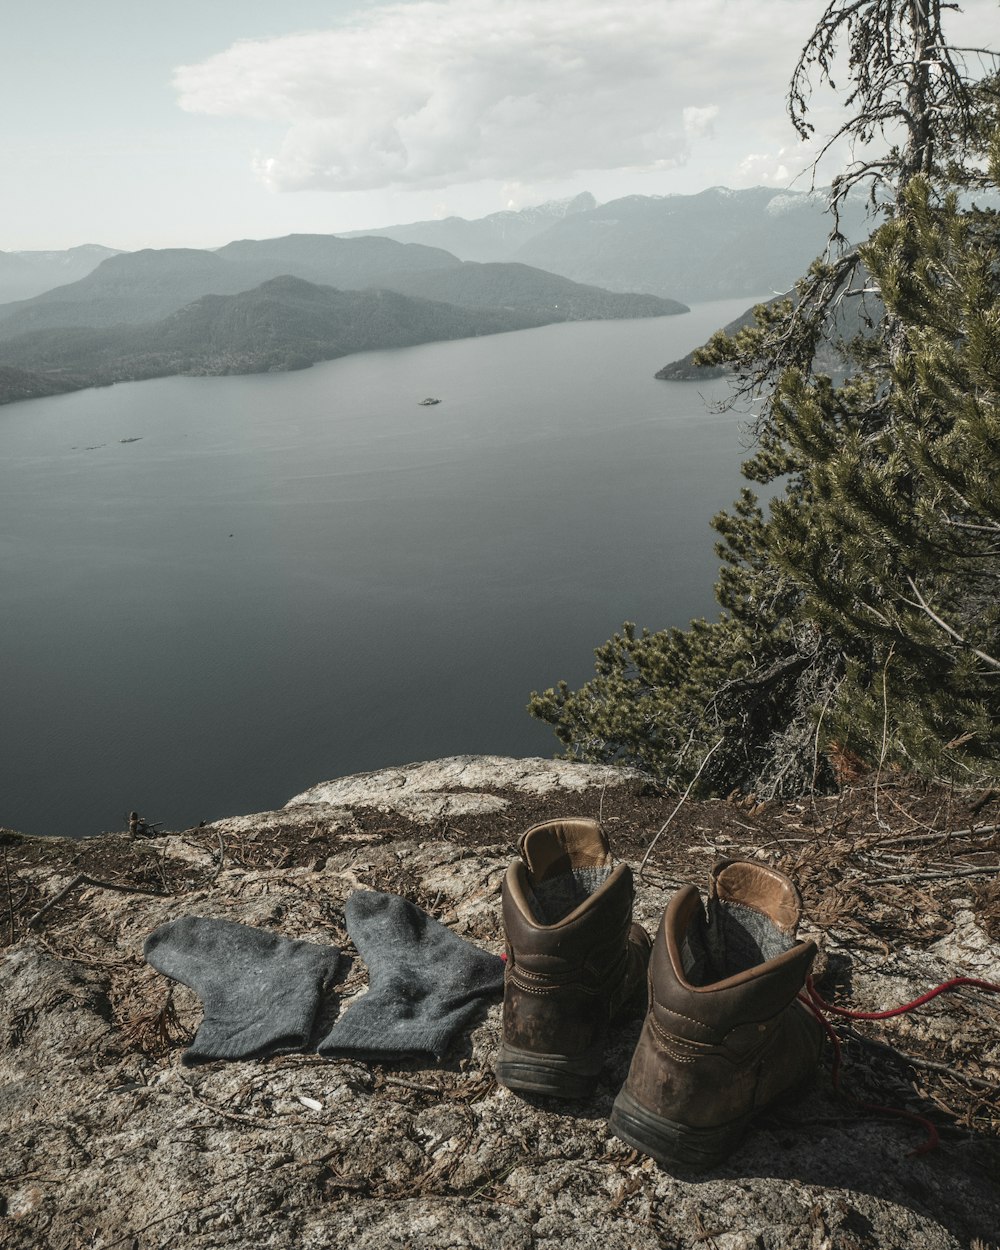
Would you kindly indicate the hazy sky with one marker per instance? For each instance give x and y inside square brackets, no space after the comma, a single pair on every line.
[193,122]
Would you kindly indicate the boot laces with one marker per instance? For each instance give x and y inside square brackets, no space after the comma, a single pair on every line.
[811,998]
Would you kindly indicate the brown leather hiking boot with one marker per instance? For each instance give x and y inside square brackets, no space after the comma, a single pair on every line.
[724,1035]
[574,958]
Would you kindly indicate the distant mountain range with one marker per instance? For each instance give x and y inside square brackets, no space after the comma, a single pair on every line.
[134,317]
[714,245]
[496,237]
[23,274]
[147,285]
[144,286]
[142,314]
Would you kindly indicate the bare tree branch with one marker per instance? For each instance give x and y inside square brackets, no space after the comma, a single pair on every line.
[929,611]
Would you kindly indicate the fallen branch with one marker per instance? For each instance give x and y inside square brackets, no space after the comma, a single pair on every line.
[938,836]
[934,876]
[949,1069]
[88,960]
[82,879]
[931,1065]
[423,1089]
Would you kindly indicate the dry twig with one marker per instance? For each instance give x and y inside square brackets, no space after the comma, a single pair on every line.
[81,878]
[680,804]
[934,876]
[945,835]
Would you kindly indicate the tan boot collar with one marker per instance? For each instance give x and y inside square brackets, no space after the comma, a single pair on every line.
[559,846]
[764,889]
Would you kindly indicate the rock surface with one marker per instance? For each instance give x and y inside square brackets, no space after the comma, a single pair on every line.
[109,1141]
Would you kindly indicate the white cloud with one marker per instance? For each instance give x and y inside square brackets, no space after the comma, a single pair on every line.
[774,169]
[437,92]
[698,122]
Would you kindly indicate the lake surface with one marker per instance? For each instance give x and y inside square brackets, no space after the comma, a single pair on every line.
[290,577]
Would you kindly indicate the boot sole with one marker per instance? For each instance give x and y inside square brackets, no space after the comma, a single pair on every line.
[671,1144]
[558,1076]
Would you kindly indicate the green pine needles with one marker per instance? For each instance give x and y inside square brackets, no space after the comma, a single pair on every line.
[859,614]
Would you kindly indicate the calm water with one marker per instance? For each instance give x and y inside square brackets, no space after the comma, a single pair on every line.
[295,576]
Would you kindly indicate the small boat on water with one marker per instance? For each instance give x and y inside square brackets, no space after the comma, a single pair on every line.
[425,403]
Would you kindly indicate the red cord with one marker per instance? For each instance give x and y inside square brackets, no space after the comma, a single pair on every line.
[989,986]
[811,998]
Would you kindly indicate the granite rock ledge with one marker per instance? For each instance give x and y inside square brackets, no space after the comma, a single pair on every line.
[108,1141]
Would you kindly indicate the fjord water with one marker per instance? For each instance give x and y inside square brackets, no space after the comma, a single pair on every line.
[217,592]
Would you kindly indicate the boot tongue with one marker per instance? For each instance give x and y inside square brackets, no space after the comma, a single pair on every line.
[562,846]
[567,860]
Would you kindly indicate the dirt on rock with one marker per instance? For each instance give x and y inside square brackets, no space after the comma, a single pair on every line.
[108,1140]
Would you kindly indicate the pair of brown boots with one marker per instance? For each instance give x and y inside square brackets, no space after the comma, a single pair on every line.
[724,1034]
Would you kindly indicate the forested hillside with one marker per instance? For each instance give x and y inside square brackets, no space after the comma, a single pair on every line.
[532,291]
[283,324]
[17,384]
[147,314]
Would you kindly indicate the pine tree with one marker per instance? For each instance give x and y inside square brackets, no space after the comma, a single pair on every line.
[858,613]
[904,492]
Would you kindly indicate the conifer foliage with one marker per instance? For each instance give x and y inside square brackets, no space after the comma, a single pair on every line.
[859,613]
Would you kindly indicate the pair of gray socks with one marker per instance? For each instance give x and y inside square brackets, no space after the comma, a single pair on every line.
[261,992]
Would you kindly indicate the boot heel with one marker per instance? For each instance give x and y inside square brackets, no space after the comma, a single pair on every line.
[670,1144]
[558,1076]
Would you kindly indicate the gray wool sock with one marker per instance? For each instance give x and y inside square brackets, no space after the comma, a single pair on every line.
[425,982]
[260,991]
